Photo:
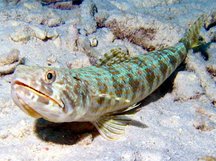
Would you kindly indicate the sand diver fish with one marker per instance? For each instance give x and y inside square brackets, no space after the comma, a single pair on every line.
[104,94]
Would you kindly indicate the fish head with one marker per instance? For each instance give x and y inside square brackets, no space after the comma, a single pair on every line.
[39,92]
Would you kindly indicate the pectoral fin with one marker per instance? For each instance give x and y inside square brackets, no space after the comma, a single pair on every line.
[112,126]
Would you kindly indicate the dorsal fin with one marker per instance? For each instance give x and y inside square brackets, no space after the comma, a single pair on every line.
[114,56]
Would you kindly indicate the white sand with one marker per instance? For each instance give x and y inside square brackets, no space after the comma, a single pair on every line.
[181,122]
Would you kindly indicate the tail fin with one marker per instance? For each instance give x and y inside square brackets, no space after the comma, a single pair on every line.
[192,36]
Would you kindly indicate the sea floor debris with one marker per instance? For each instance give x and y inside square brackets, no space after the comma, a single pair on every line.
[9,61]
[180,115]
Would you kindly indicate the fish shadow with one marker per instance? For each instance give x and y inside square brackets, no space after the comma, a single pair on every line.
[64,133]
[70,133]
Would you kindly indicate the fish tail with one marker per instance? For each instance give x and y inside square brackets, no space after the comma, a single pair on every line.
[192,36]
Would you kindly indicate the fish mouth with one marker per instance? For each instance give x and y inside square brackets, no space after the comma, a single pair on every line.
[40,94]
[28,109]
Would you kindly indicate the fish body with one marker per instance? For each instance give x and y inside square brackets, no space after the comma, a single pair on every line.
[103,94]
[120,85]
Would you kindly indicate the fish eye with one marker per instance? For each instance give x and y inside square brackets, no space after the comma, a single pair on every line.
[50,76]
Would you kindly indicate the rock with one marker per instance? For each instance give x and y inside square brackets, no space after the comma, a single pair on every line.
[10,57]
[21,34]
[13,2]
[58,42]
[101,17]
[52,19]
[154,3]
[47,18]
[71,38]
[51,34]
[190,81]
[32,5]
[38,33]
[83,44]
[146,31]
[197,64]
[52,22]
[58,4]
[9,61]
[25,33]
[88,10]
[43,34]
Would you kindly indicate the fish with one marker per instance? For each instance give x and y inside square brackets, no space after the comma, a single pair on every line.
[105,94]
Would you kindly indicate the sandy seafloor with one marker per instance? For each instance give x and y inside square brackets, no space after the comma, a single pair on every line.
[180,116]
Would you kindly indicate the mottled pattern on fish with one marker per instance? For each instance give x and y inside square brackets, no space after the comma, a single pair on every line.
[103,94]
[130,80]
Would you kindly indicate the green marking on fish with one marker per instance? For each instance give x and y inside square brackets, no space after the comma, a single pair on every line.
[105,94]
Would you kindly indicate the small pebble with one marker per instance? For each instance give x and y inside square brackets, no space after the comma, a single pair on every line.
[51,60]
[93,42]
[85,139]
